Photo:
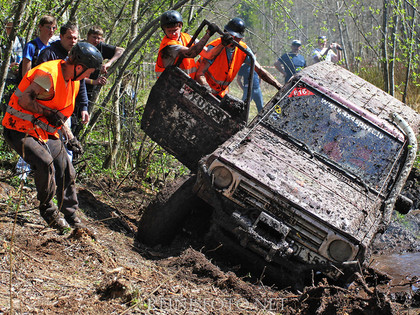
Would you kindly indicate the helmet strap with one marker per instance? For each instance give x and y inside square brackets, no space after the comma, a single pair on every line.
[74,70]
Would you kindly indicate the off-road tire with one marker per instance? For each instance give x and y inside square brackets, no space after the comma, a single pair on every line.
[163,218]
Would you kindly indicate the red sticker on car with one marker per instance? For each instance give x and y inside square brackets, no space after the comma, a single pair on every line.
[300,91]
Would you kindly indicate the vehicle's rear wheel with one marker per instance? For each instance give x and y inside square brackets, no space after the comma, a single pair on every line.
[164,217]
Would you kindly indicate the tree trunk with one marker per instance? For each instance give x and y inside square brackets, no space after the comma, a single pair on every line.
[410,56]
[19,10]
[134,19]
[110,161]
[394,37]
[72,16]
[116,21]
[385,46]
[340,29]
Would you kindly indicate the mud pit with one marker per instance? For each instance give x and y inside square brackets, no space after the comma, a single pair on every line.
[43,272]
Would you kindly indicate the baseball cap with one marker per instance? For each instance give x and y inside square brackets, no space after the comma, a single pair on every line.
[297,42]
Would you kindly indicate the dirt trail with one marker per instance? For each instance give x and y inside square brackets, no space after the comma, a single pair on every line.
[43,272]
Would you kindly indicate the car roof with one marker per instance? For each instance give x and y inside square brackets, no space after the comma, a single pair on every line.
[340,84]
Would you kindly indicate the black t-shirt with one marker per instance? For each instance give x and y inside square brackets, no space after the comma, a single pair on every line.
[107,51]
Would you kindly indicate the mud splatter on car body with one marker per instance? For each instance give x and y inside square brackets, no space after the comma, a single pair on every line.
[311,180]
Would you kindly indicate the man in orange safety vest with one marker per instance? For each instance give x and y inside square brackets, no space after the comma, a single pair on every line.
[35,115]
[218,72]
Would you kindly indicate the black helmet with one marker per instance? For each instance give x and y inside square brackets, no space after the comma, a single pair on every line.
[235,27]
[170,17]
[86,55]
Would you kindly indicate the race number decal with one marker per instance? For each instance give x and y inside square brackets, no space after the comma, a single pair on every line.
[300,91]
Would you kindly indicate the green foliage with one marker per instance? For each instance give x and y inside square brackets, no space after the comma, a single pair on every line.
[271,27]
[417,161]
[402,219]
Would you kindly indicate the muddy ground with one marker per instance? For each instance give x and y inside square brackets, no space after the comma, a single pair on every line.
[42,272]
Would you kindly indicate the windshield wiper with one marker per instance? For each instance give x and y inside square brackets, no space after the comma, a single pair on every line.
[297,142]
[346,172]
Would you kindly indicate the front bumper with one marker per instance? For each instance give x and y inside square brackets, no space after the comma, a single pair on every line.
[275,231]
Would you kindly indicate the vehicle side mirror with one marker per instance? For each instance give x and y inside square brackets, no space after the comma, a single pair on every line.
[403,204]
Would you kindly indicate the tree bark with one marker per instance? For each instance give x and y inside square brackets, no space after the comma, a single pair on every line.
[19,10]
[385,46]
[410,56]
[394,37]
[116,130]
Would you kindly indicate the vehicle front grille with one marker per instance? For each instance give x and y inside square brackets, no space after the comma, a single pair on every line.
[304,228]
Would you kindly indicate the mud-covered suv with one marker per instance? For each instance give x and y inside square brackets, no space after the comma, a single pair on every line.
[308,183]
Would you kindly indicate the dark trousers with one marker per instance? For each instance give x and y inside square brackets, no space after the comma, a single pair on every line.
[54,174]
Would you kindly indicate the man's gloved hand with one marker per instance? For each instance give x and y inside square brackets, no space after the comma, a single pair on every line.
[212,28]
[226,39]
[75,146]
[53,118]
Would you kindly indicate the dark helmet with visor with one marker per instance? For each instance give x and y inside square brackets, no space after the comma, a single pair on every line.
[170,17]
[235,27]
[86,55]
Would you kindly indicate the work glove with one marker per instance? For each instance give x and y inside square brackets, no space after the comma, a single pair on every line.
[75,146]
[212,28]
[227,39]
[53,118]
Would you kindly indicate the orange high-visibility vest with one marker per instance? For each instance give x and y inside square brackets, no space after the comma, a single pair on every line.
[222,72]
[19,119]
[188,64]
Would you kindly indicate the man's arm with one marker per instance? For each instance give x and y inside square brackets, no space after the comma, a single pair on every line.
[336,57]
[82,102]
[279,66]
[28,99]
[118,53]
[239,80]
[266,76]
[202,69]
[26,66]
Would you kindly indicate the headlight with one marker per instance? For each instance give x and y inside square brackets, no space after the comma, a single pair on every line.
[222,177]
[340,250]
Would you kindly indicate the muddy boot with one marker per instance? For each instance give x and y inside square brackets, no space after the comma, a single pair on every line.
[56,222]
[80,227]
[76,223]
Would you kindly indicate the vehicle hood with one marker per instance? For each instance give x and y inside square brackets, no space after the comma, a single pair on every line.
[291,173]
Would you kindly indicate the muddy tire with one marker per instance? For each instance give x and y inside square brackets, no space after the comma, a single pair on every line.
[164,217]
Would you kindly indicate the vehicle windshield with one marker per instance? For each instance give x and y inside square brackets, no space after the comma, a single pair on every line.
[334,133]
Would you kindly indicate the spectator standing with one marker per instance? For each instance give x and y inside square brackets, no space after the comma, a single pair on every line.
[226,60]
[290,63]
[47,26]
[38,109]
[243,82]
[109,52]
[325,52]
[174,44]
[69,35]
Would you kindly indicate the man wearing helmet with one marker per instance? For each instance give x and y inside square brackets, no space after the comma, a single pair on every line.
[69,35]
[174,44]
[218,72]
[43,101]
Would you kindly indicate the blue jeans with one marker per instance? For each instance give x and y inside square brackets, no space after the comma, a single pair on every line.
[256,97]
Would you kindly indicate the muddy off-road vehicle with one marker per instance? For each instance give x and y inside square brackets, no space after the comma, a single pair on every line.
[305,186]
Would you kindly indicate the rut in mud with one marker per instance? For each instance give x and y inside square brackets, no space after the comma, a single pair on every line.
[42,271]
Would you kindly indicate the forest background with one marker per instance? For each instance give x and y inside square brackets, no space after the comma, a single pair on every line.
[380,41]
